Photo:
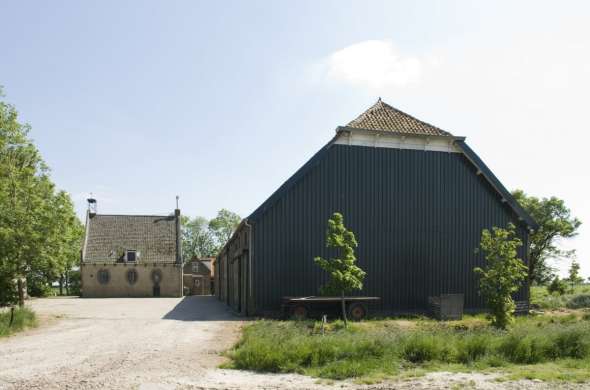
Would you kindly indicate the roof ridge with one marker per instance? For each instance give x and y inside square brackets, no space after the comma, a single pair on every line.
[382,116]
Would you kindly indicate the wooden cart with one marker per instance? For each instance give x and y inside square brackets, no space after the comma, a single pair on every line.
[357,308]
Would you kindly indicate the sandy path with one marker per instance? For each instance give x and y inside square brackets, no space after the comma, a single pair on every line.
[162,343]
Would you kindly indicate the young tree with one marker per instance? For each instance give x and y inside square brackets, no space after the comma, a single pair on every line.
[557,286]
[223,226]
[345,275]
[574,274]
[197,238]
[503,273]
[555,222]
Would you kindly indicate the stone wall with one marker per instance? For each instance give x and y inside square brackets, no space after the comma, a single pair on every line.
[118,284]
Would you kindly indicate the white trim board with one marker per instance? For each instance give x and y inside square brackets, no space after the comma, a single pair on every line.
[397,141]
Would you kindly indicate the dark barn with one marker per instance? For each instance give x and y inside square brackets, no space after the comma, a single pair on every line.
[416,197]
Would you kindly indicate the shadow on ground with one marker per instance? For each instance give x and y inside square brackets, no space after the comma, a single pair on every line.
[201,308]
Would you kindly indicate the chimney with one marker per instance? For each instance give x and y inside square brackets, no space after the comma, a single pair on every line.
[91,206]
[178,233]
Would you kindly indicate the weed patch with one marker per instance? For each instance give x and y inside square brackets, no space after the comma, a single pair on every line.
[23,318]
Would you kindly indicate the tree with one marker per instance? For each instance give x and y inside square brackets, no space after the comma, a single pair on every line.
[503,273]
[555,222]
[223,226]
[574,274]
[557,286]
[197,238]
[345,275]
[38,227]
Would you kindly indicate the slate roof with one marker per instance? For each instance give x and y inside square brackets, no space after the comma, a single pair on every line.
[108,236]
[381,116]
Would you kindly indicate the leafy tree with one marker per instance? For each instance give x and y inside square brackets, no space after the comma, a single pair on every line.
[223,226]
[345,275]
[557,286]
[38,227]
[555,222]
[503,273]
[574,274]
[197,238]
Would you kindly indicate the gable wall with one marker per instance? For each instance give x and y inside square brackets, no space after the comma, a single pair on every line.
[417,216]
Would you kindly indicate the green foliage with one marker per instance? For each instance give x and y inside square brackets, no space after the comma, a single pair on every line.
[382,348]
[223,226]
[555,222]
[557,286]
[345,275]
[74,282]
[197,239]
[39,231]
[503,273]
[23,318]
[581,301]
[545,299]
[574,274]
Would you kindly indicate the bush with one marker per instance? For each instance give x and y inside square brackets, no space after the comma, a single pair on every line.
[423,348]
[523,349]
[557,286]
[579,301]
[472,348]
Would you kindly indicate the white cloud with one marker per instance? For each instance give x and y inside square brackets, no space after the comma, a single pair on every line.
[374,64]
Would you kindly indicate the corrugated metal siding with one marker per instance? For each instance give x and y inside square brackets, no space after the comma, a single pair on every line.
[417,217]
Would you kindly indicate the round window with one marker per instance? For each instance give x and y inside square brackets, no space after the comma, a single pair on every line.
[132,276]
[156,276]
[103,276]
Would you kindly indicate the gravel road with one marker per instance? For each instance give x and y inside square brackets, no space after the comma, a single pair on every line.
[162,343]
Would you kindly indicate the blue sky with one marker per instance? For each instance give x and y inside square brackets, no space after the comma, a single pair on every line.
[220,102]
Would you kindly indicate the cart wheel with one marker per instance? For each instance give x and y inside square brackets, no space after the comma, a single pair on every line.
[357,311]
[299,312]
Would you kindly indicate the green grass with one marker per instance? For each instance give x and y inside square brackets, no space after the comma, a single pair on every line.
[23,318]
[578,298]
[398,348]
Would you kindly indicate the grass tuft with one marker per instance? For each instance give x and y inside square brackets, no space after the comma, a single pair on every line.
[23,318]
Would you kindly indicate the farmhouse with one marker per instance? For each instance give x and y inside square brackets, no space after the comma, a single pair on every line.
[131,255]
[416,197]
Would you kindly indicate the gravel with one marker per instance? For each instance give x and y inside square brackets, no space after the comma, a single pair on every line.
[163,343]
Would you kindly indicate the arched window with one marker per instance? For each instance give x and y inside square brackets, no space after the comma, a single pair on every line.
[103,276]
[132,276]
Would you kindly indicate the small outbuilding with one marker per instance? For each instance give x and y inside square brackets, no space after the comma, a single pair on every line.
[417,199]
[198,276]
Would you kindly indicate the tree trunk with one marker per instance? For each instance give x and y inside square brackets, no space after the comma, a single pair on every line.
[61,284]
[67,274]
[21,293]
[343,309]
[11,316]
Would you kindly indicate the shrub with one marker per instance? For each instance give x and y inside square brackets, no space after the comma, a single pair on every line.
[523,349]
[579,301]
[570,343]
[421,348]
[557,286]
[472,348]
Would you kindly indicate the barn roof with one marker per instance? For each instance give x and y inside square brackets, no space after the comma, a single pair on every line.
[383,117]
[109,236]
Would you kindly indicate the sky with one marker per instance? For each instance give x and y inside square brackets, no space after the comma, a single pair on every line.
[220,102]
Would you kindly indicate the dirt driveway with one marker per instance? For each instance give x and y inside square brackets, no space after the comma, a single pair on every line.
[161,343]
[118,343]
